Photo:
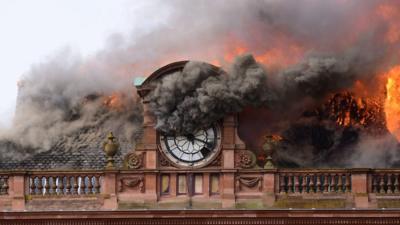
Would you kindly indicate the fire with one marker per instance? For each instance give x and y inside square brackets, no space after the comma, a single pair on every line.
[235,51]
[270,57]
[350,110]
[114,101]
[392,102]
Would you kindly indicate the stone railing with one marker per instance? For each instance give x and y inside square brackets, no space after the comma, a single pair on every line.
[385,181]
[111,189]
[56,183]
[314,181]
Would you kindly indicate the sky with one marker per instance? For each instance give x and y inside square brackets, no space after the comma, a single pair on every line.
[32,31]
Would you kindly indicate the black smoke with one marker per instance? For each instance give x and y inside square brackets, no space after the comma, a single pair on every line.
[199,96]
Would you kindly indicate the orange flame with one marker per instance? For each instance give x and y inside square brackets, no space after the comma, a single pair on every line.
[270,57]
[114,101]
[392,102]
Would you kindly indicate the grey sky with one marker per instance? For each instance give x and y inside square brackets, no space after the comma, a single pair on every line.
[32,31]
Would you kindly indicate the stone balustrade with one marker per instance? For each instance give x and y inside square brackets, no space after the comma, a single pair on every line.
[314,181]
[385,181]
[113,189]
[64,184]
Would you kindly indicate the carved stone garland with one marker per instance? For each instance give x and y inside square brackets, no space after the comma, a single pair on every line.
[249,182]
[131,183]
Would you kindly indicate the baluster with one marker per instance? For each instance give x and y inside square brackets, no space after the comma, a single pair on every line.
[46,185]
[382,184]
[53,186]
[331,183]
[97,184]
[311,189]
[83,185]
[334,183]
[389,184]
[1,186]
[318,183]
[396,183]
[5,185]
[68,185]
[290,183]
[61,186]
[304,184]
[296,183]
[40,185]
[32,185]
[74,189]
[348,182]
[79,179]
[340,183]
[35,183]
[326,182]
[90,185]
[281,183]
[375,180]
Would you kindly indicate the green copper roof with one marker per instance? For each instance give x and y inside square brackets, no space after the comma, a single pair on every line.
[137,81]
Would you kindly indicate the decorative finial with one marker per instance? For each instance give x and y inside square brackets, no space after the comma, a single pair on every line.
[269,146]
[111,147]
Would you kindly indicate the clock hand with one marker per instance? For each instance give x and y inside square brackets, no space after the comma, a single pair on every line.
[201,140]
[207,144]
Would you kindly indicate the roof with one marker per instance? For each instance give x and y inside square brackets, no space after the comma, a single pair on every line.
[79,159]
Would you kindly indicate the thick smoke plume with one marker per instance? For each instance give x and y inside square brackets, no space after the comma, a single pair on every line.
[59,106]
[199,96]
[302,51]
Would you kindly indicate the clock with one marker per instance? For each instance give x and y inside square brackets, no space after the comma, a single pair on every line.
[192,150]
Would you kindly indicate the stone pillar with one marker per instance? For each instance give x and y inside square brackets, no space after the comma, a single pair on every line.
[228,163]
[148,145]
[17,191]
[228,179]
[269,184]
[206,185]
[228,189]
[148,141]
[151,194]
[359,187]
[109,188]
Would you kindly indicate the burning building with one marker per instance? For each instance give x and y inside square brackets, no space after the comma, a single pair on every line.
[192,134]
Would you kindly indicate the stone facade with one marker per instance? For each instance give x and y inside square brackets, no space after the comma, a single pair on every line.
[146,179]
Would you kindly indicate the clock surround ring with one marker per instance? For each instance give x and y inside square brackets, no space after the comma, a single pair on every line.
[216,151]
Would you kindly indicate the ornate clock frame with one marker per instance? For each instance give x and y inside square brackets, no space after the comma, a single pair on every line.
[156,165]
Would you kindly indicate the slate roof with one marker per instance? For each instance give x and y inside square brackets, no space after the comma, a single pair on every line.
[79,159]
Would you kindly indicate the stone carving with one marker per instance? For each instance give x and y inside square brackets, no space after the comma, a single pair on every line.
[133,160]
[163,162]
[131,183]
[217,161]
[245,159]
[249,182]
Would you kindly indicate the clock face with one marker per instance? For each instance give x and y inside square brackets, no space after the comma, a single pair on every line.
[193,149]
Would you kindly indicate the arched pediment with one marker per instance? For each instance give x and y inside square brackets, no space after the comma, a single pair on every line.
[146,86]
